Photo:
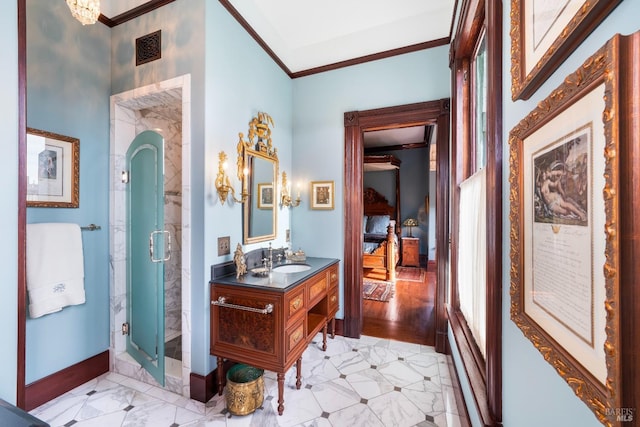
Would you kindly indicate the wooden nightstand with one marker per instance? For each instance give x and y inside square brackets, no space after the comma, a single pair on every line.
[410,252]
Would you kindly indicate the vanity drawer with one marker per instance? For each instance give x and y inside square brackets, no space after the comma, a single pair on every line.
[317,289]
[294,337]
[294,303]
[332,272]
[333,298]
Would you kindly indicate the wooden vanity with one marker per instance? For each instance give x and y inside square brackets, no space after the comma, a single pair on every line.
[267,322]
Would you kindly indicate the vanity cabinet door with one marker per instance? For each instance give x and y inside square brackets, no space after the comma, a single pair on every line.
[238,331]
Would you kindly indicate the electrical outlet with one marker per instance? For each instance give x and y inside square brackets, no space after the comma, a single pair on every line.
[224,245]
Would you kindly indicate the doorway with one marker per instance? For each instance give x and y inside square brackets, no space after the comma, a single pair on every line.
[356,123]
[163,108]
[406,312]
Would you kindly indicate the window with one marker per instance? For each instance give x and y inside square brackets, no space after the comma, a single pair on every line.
[479,87]
[472,230]
[472,256]
[475,308]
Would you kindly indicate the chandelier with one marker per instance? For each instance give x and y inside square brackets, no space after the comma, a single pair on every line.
[85,11]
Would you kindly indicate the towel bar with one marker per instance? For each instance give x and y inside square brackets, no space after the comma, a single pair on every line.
[91,227]
[223,303]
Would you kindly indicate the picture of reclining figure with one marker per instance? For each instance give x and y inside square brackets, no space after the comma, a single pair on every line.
[561,185]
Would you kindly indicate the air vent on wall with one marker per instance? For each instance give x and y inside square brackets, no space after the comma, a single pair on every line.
[148,48]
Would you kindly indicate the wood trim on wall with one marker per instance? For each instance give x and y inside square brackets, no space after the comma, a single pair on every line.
[22,203]
[134,13]
[494,210]
[442,225]
[484,373]
[52,386]
[353,211]
[355,123]
[465,421]
[473,363]
[203,388]
[373,57]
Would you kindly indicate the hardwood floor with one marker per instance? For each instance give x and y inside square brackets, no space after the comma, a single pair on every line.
[409,316]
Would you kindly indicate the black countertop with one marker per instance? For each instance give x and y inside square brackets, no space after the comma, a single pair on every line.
[277,280]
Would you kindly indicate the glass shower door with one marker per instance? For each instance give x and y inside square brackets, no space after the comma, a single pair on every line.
[148,247]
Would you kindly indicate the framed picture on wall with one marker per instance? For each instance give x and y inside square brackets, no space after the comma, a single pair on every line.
[53,164]
[543,35]
[265,196]
[322,195]
[565,183]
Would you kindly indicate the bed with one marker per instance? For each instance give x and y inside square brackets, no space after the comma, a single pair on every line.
[380,245]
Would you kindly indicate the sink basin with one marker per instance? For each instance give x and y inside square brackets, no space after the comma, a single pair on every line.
[291,268]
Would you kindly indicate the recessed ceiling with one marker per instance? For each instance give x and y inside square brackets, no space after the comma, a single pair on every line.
[400,136]
[306,35]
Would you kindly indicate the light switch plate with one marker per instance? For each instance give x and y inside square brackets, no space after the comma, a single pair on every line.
[288,234]
[224,245]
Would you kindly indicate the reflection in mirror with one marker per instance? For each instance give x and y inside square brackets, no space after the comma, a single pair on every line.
[261,215]
[259,159]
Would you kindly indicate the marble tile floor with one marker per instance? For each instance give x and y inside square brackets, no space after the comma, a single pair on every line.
[356,382]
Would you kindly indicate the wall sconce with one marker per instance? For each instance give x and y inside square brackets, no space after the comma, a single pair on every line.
[410,222]
[285,199]
[223,183]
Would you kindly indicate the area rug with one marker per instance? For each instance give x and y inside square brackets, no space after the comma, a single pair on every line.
[377,290]
[410,274]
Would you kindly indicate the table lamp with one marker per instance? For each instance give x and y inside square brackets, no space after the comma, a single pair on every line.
[410,222]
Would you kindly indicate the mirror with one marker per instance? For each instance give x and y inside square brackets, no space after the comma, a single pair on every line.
[258,168]
[260,208]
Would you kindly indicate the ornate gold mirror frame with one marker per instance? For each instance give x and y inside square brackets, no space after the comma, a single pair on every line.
[258,171]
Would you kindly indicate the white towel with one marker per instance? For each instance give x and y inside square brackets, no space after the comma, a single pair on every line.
[55,267]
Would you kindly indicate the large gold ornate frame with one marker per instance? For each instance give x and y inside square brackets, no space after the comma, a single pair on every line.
[587,17]
[611,66]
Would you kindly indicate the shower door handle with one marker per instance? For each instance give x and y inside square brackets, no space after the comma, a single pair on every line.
[152,245]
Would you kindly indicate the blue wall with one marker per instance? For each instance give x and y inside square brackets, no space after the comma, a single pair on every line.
[533,393]
[68,88]
[241,80]
[320,102]
[9,192]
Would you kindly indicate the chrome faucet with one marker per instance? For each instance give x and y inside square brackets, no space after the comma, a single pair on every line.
[270,258]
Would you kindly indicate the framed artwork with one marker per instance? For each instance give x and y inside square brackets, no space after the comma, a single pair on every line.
[566,267]
[544,33]
[53,164]
[265,196]
[322,195]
